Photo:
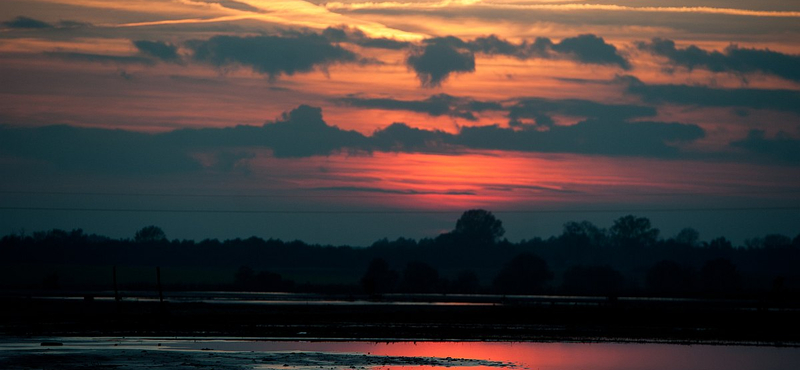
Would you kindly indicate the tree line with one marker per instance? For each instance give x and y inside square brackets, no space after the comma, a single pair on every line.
[629,258]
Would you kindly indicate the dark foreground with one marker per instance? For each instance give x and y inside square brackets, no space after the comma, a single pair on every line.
[540,320]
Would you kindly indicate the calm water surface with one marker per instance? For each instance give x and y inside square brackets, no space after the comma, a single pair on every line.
[552,356]
[538,356]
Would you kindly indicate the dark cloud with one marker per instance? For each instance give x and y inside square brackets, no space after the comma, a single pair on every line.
[302,133]
[101,58]
[593,136]
[540,110]
[438,58]
[435,105]
[160,50]
[399,137]
[733,59]
[591,49]
[235,5]
[587,49]
[781,148]
[26,23]
[357,37]
[390,191]
[22,22]
[704,96]
[271,55]
[70,149]
[298,133]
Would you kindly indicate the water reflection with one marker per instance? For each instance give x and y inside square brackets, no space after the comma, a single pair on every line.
[550,356]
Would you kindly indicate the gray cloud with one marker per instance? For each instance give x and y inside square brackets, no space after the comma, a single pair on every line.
[541,109]
[160,50]
[704,96]
[538,109]
[22,22]
[441,56]
[26,23]
[358,37]
[361,189]
[781,148]
[438,58]
[101,58]
[271,55]
[302,132]
[734,59]
[591,49]
[593,136]
[435,105]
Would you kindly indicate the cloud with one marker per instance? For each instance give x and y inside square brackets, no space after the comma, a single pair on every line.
[298,133]
[21,22]
[733,59]
[704,96]
[538,109]
[541,110]
[593,136]
[302,133]
[361,189]
[438,58]
[492,6]
[590,49]
[160,50]
[101,58]
[74,149]
[358,37]
[782,147]
[399,137]
[435,105]
[271,55]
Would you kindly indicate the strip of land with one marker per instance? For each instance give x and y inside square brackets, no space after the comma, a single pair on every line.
[679,321]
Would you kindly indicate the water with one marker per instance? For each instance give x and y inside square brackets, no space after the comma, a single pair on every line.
[413,355]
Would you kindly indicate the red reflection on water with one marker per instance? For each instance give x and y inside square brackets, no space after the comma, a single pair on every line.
[554,356]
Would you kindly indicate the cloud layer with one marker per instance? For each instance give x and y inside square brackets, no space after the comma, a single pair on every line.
[733,59]
[302,132]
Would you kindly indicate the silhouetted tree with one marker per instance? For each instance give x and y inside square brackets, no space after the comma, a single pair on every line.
[379,278]
[244,275]
[466,282]
[720,244]
[420,277]
[593,280]
[720,276]
[479,227]
[773,241]
[670,278]
[630,231]
[524,274]
[150,234]
[688,236]
[582,233]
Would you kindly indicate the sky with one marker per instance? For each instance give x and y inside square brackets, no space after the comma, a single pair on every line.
[344,122]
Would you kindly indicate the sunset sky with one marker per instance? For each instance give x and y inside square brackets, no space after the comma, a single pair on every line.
[349,121]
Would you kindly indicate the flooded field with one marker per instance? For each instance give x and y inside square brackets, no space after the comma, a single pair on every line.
[164,353]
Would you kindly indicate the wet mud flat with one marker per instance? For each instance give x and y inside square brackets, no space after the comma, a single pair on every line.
[681,322]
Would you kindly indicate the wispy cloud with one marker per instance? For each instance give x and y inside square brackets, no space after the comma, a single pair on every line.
[560,7]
